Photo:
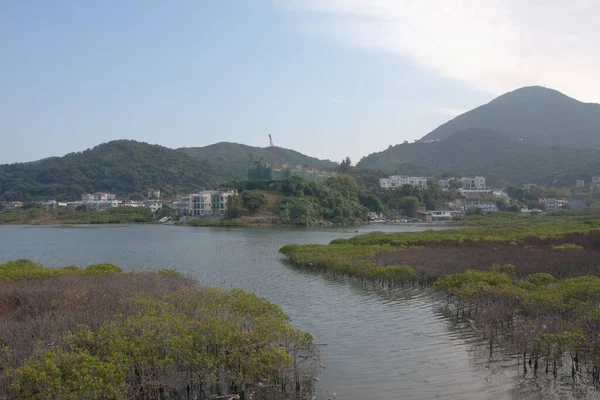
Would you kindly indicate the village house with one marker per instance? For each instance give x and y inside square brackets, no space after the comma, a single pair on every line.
[466,183]
[210,204]
[438,215]
[153,194]
[485,206]
[153,205]
[98,197]
[552,203]
[52,204]
[396,181]
[11,205]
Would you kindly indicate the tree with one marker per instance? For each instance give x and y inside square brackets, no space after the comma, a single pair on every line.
[298,211]
[432,195]
[501,204]
[345,166]
[411,206]
[408,204]
[456,184]
[136,197]
[235,207]
[370,201]
[253,201]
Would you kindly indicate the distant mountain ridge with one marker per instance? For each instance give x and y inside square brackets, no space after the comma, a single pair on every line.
[534,114]
[500,158]
[130,167]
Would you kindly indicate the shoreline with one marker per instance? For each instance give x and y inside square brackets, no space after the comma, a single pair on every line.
[218,224]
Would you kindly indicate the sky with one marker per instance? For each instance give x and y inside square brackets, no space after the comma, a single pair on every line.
[328,78]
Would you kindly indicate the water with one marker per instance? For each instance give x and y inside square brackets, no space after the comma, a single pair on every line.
[380,344]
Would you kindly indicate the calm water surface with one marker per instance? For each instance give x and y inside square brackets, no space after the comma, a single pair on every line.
[380,344]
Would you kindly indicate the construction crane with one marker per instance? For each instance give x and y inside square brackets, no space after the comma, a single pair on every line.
[273,151]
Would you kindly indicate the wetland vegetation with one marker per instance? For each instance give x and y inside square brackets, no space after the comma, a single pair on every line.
[531,284]
[71,333]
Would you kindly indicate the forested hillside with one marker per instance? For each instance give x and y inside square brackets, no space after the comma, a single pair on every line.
[121,166]
[237,158]
[129,167]
[501,159]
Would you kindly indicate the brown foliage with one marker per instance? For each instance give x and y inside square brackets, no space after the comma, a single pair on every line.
[532,256]
[43,310]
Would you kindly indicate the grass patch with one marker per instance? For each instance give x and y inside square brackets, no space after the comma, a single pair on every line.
[27,269]
[65,215]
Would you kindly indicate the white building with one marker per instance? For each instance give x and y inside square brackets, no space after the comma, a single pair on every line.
[153,205]
[486,206]
[395,181]
[475,183]
[49,205]
[579,183]
[500,194]
[552,203]
[153,194]
[206,203]
[476,192]
[439,215]
[98,197]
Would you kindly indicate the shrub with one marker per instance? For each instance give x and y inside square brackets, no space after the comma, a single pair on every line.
[541,279]
[102,268]
[155,335]
[169,272]
[503,269]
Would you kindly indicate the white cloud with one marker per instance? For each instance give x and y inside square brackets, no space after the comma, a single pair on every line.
[450,112]
[493,45]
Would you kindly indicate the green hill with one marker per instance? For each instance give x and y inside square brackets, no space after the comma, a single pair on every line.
[534,114]
[121,166]
[237,158]
[500,158]
[128,167]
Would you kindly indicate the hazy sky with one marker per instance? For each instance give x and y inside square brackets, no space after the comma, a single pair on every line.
[328,78]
